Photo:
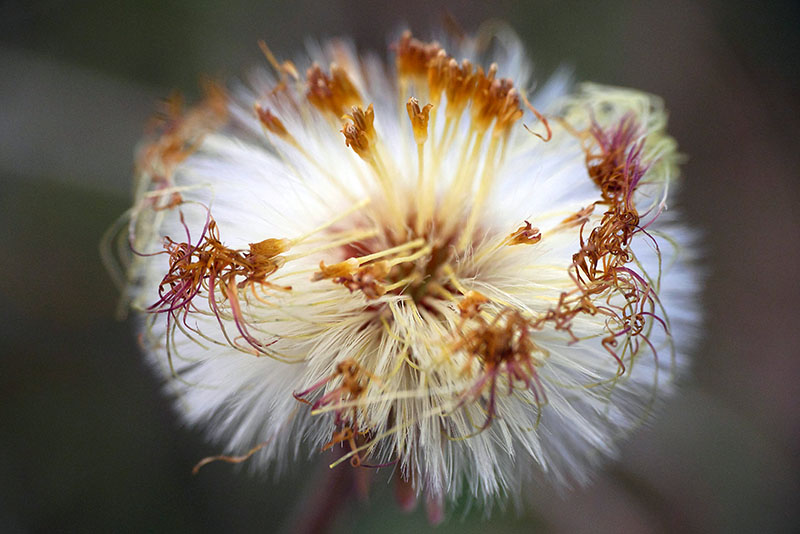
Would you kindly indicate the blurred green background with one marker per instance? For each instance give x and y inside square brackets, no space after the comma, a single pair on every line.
[87,441]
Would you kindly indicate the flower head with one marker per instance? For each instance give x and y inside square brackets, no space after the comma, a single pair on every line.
[413,265]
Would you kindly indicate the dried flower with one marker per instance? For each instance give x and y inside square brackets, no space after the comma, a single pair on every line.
[417,269]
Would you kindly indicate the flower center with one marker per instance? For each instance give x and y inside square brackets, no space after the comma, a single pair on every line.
[419,266]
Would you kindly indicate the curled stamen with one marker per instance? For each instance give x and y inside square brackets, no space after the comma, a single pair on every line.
[598,268]
[548,131]
[229,459]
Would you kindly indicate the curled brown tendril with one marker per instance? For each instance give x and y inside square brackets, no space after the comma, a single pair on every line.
[600,267]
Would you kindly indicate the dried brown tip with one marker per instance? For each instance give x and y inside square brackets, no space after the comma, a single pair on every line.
[269,248]
[525,235]
[614,160]
[337,270]
[335,93]
[460,82]
[438,75]
[264,258]
[419,119]
[215,98]
[368,279]
[285,68]
[495,99]
[581,217]
[178,134]
[505,351]
[229,459]
[357,140]
[413,55]
[504,339]
[363,120]
[219,271]
[360,133]
[548,131]
[471,303]
[271,122]
[508,112]
[486,90]
[354,378]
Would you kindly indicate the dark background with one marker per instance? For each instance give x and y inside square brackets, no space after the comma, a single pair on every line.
[88,443]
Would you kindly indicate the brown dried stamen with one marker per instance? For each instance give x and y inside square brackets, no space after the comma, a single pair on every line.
[613,160]
[504,348]
[271,122]
[333,94]
[179,135]
[419,119]
[414,55]
[524,235]
[219,271]
[369,279]
[354,382]
[359,133]
[471,304]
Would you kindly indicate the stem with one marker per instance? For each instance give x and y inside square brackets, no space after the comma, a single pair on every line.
[330,495]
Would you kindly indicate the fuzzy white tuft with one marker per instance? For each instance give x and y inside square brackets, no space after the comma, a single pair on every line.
[468,336]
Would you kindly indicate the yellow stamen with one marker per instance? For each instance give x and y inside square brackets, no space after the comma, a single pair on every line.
[357,206]
[389,251]
[355,236]
[417,255]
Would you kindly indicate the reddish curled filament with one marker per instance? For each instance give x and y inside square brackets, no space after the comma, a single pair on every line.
[599,268]
[207,266]
[354,381]
[506,352]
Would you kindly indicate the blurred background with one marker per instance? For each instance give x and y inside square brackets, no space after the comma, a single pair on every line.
[87,441]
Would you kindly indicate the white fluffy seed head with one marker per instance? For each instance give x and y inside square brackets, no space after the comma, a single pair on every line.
[477,292]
